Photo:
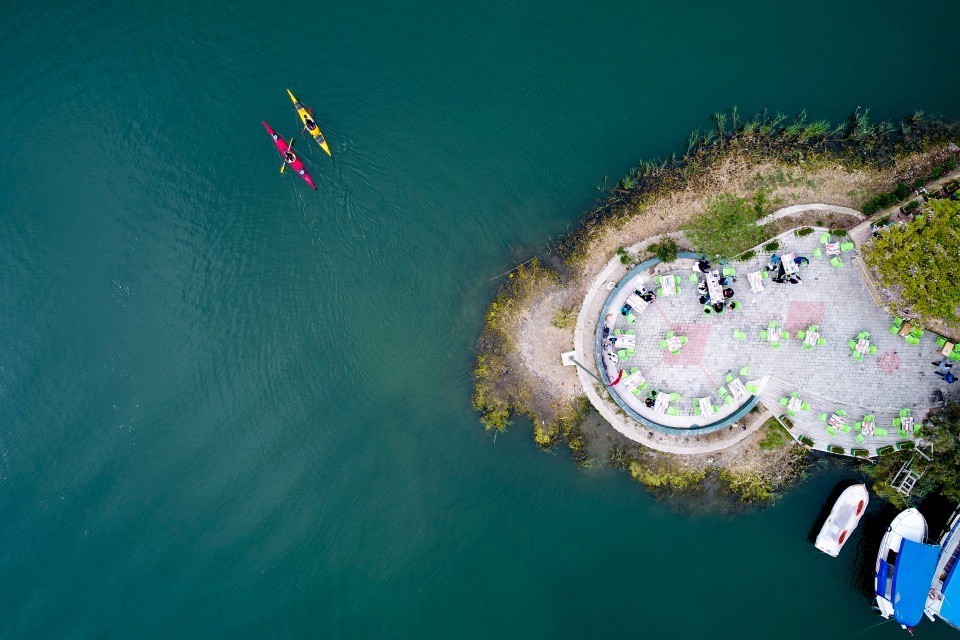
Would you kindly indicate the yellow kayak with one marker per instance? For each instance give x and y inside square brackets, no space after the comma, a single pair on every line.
[309,123]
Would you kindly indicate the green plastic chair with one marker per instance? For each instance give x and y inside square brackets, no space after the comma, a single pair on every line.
[817,253]
[903,433]
[863,334]
[764,275]
[852,344]
[728,377]
[663,344]
[744,371]
[794,394]
[879,431]
[673,411]
[917,331]
[801,335]
[858,356]
[674,397]
[684,339]
[784,335]
[775,345]
[941,342]
[824,238]
[752,388]
[872,350]
[670,334]
[678,289]
[898,322]
[617,332]
[821,342]
[728,400]
[729,271]
[894,329]
[631,352]
[656,279]
[831,430]
[912,340]
[870,417]
[634,369]
[845,428]
[696,410]
[784,402]
[858,425]
[722,391]
[904,413]
[622,354]
[808,347]
[860,439]
[836,262]
[846,246]
[637,391]
[814,327]
[631,318]
[764,335]
[630,332]
[739,335]
[659,292]
[840,412]
[693,278]
[804,406]
[822,417]
[897,422]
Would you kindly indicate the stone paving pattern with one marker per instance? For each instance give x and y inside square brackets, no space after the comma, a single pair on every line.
[827,377]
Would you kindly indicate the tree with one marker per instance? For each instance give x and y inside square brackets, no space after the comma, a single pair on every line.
[919,260]
[728,226]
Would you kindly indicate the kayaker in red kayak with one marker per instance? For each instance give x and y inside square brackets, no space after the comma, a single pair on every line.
[289,157]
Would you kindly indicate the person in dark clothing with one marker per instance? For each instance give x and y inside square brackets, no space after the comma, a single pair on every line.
[702,286]
[727,294]
[774,263]
[703,265]
[728,280]
[718,307]
[703,299]
[948,377]
[794,279]
[800,261]
[647,296]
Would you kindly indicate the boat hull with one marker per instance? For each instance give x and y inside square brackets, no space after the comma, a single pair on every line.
[297,163]
[945,574]
[306,118]
[908,525]
[843,519]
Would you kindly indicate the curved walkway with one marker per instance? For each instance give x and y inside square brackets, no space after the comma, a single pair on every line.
[799,209]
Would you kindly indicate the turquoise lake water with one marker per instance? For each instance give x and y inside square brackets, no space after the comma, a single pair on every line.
[235,408]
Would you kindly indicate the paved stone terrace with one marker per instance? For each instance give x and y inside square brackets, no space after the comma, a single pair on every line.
[899,375]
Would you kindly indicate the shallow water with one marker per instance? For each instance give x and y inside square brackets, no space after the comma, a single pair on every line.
[233,407]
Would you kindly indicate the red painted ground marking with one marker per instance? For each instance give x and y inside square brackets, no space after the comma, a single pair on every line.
[801,315]
[888,362]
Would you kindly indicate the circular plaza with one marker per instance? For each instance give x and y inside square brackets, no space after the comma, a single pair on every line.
[684,350]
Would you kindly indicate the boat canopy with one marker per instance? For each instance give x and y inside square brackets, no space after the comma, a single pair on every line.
[912,575]
[950,611]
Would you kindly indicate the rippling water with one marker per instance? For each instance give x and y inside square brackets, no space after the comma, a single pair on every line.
[232,407]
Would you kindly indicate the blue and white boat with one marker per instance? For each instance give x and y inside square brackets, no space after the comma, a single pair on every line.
[943,599]
[905,567]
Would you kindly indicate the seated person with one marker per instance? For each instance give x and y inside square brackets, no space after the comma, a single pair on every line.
[794,279]
[625,309]
[649,402]
[728,280]
[774,262]
[718,307]
[727,294]
[800,261]
[702,287]
[703,264]
[647,296]
[703,299]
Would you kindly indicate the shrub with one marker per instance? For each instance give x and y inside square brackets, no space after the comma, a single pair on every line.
[563,319]
[624,256]
[913,205]
[902,191]
[805,231]
[906,445]
[935,174]
[786,421]
[882,451]
[861,453]
[838,232]
[836,449]
[771,246]
[950,164]
[807,441]
[747,255]
[665,250]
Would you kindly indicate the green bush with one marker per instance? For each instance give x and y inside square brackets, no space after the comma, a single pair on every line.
[805,231]
[950,164]
[747,255]
[665,250]
[861,453]
[771,246]
[786,421]
[624,256]
[807,440]
[902,191]
[913,205]
[906,445]
[836,449]
[885,450]
[838,232]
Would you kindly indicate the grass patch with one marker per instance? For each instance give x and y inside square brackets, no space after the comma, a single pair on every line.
[774,435]
[728,225]
[564,318]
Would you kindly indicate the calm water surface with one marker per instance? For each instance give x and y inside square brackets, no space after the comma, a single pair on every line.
[234,408]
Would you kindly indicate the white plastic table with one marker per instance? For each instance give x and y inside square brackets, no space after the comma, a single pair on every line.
[625,341]
[737,389]
[756,281]
[669,285]
[706,407]
[714,289]
[863,345]
[812,337]
[674,343]
[789,266]
[637,303]
[663,401]
[795,403]
[633,381]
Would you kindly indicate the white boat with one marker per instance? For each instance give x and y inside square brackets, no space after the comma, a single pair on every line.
[843,519]
[905,567]
[943,599]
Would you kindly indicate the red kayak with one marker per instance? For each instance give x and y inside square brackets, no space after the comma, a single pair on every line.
[286,152]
